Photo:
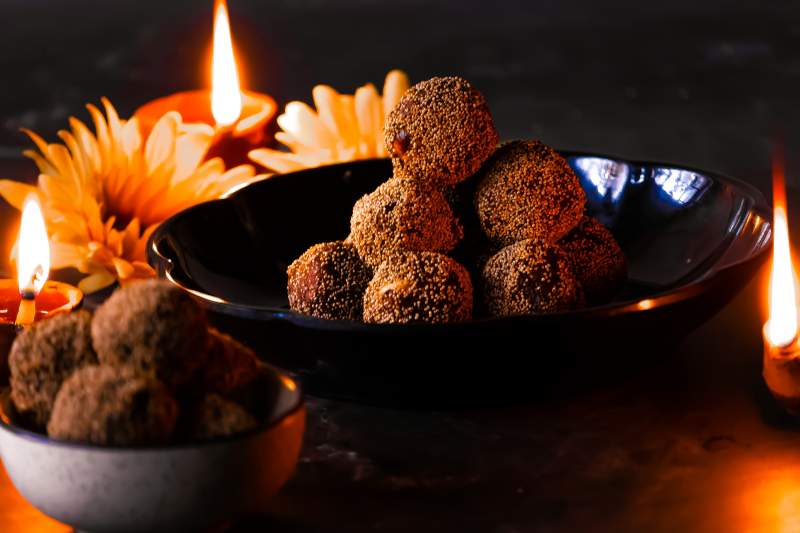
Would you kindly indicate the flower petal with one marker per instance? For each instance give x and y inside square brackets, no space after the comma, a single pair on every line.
[65,255]
[370,119]
[103,139]
[40,143]
[326,100]
[394,88]
[88,146]
[142,270]
[160,145]
[131,138]
[96,282]
[140,253]
[347,108]
[123,268]
[44,166]
[190,149]
[301,121]
[280,162]
[256,119]
[15,192]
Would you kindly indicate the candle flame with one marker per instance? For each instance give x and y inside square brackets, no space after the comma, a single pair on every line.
[781,329]
[33,248]
[226,97]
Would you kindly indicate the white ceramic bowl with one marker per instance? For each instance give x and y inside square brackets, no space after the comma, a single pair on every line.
[166,488]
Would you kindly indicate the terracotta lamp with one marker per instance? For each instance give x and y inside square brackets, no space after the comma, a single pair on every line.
[31,297]
[241,120]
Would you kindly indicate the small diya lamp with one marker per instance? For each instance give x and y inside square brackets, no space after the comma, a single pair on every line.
[238,120]
[781,346]
[31,297]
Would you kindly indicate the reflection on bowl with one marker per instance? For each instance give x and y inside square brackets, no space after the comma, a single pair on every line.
[164,488]
[692,239]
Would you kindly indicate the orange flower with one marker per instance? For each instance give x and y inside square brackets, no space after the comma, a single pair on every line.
[343,128]
[104,193]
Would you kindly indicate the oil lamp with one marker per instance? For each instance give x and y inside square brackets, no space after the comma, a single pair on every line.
[31,297]
[238,121]
[781,347]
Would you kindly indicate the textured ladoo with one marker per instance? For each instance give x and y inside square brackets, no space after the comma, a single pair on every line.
[597,260]
[154,327]
[42,357]
[229,365]
[414,287]
[440,132]
[530,277]
[528,191]
[402,215]
[328,281]
[113,406]
[215,416]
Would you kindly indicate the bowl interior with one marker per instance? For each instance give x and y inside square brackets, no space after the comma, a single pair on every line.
[676,226]
[281,397]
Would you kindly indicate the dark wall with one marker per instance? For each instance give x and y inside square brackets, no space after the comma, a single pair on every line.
[705,84]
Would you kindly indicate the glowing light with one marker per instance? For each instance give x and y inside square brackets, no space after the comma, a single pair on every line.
[608,177]
[644,305]
[781,329]
[33,248]
[291,385]
[226,96]
[768,501]
[681,185]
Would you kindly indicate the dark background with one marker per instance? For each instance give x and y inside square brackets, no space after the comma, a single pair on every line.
[707,84]
[691,443]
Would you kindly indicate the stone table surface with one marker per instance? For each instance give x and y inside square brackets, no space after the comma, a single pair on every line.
[692,442]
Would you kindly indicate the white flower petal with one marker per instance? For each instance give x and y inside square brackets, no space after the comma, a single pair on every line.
[394,88]
[301,121]
[370,119]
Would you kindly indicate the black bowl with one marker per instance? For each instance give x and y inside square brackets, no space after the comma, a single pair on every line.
[692,240]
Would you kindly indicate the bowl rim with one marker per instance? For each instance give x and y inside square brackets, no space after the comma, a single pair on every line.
[6,424]
[676,293]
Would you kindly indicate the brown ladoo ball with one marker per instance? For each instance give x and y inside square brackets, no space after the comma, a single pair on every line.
[412,287]
[528,191]
[113,406]
[154,327]
[328,281]
[259,395]
[217,417]
[402,215]
[42,357]
[530,277]
[230,364]
[440,132]
[597,260]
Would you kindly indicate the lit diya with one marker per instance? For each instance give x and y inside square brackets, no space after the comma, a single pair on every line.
[31,297]
[781,347]
[238,120]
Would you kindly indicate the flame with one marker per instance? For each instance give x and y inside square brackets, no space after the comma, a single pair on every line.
[781,329]
[226,97]
[33,248]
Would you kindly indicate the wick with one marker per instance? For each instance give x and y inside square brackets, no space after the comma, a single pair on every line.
[29,291]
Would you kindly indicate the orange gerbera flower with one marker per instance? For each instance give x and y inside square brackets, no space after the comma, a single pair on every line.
[104,193]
